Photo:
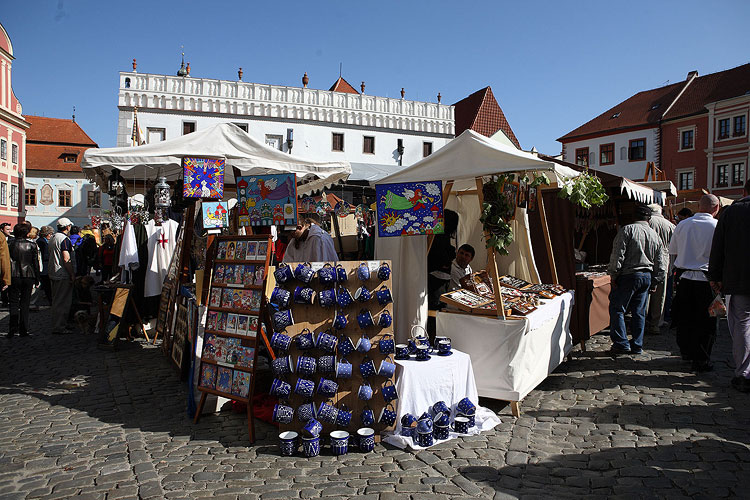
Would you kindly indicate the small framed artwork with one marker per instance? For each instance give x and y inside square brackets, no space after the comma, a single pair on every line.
[215,215]
[262,250]
[533,195]
[203,178]
[510,191]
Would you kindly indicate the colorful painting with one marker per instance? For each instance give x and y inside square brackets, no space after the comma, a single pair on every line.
[410,208]
[203,178]
[215,215]
[266,200]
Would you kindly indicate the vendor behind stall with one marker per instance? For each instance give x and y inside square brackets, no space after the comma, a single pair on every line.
[309,243]
[460,266]
[440,259]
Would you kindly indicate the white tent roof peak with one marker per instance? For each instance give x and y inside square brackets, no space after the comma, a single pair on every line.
[472,155]
[225,140]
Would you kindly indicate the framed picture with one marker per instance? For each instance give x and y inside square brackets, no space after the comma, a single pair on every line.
[411,208]
[511,191]
[264,200]
[215,214]
[532,204]
[203,178]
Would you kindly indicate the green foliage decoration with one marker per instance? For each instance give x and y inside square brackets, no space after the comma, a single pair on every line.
[585,190]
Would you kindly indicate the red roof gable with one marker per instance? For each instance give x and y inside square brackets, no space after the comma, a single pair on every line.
[56,131]
[342,85]
[52,157]
[481,113]
[711,88]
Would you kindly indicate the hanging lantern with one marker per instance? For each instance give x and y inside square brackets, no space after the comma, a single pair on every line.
[116,183]
[161,193]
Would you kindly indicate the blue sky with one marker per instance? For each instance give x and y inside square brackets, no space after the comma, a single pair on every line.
[552,65]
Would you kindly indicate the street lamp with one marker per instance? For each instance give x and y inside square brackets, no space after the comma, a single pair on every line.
[161,193]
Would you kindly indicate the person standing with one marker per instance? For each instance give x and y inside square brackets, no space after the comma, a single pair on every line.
[5,268]
[691,246]
[664,229]
[729,273]
[106,258]
[24,256]
[45,234]
[61,274]
[310,243]
[637,266]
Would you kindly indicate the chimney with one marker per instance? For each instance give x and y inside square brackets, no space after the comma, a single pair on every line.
[692,74]
[305,80]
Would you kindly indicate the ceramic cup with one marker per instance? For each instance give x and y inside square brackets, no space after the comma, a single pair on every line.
[440,407]
[402,351]
[344,297]
[283,273]
[340,321]
[341,275]
[345,346]
[282,320]
[383,294]
[311,446]
[282,413]
[389,391]
[386,345]
[363,271]
[387,368]
[327,364]
[444,347]
[288,443]
[472,418]
[366,437]
[425,439]
[367,368]
[387,416]
[280,388]
[281,297]
[327,412]
[327,274]
[343,416]
[412,346]
[327,387]
[364,319]
[364,344]
[367,417]
[282,366]
[305,340]
[304,295]
[343,369]
[306,366]
[441,432]
[304,387]
[465,406]
[326,342]
[281,341]
[423,352]
[424,425]
[339,442]
[327,298]
[385,319]
[306,411]
[442,418]
[437,341]
[365,391]
[408,420]
[304,272]
[362,294]
[384,271]
[461,425]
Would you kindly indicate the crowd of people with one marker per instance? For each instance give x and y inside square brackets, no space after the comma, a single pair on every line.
[701,258]
[55,264]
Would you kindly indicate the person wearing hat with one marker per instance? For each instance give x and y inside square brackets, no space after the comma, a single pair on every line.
[5,278]
[637,265]
[691,247]
[62,272]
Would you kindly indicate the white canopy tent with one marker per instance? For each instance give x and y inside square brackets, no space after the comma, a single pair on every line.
[468,157]
[226,141]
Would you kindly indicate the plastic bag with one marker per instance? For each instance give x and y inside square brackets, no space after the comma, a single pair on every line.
[717,308]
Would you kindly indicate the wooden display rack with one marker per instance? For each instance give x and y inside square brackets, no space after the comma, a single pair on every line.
[319,319]
[249,340]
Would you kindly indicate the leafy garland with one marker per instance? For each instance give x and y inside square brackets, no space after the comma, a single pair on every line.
[585,190]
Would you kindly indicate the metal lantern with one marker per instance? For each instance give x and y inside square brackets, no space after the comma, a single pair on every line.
[116,183]
[161,193]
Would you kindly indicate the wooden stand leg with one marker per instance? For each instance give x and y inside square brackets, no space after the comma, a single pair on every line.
[583,345]
[200,407]
[515,408]
[138,316]
[250,422]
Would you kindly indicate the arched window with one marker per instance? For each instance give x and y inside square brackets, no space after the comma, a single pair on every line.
[127,83]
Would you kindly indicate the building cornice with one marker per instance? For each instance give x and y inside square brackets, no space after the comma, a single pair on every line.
[263,101]
[13,118]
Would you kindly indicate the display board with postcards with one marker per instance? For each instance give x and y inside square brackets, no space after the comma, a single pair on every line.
[333,338]
[233,319]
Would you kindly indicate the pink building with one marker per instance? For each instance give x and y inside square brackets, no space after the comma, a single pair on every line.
[12,139]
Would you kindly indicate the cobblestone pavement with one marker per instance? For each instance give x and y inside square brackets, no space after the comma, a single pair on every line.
[78,421]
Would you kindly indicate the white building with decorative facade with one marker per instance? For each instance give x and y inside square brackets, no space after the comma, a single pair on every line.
[373,133]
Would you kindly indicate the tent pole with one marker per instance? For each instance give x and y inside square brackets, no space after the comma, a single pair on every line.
[547,239]
[491,263]
[446,192]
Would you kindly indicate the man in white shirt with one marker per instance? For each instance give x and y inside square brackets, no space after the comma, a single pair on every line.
[310,243]
[691,246]
[460,266]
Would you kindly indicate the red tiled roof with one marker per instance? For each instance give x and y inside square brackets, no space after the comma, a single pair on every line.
[51,157]
[481,113]
[649,106]
[57,131]
[342,85]
[711,88]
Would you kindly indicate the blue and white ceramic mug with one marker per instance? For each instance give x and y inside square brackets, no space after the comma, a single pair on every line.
[288,443]
[402,351]
[327,298]
[304,387]
[327,412]
[367,368]
[389,391]
[384,271]
[444,347]
[365,391]
[387,368]
[466,407]
[343,369]
[327,364]
[423,352]
[408,420]
[442,418]
[327,274]
[425,439]
[304,272]
[304,295]
[366,437]
[346,346]
[280,341]
[340,321]
[306,411]
[461,425]
[306,366]
[363,271]
[364,344]
[386,344]
[387,416]
[385,319]
[341,275]
[344,416]
[282,366]
[362,294]
[327,387]
[280,388]
[282,413]
[339,442]
[312,428]
[282,320]
[311,446]
[305,340]
[344,297]
[326,342]
[364,319]
[383,294]
[367,417]
[283,273]
[441,432]
[440,407]
[281,297]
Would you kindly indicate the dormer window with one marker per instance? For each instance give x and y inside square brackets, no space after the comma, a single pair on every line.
[70,158]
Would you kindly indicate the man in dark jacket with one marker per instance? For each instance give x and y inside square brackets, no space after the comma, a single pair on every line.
[24,258]
[729,272]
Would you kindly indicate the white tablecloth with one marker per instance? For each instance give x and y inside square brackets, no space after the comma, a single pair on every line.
[512,357]
[421,384]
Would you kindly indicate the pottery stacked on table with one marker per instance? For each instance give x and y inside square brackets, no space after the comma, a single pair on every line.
[435,425]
